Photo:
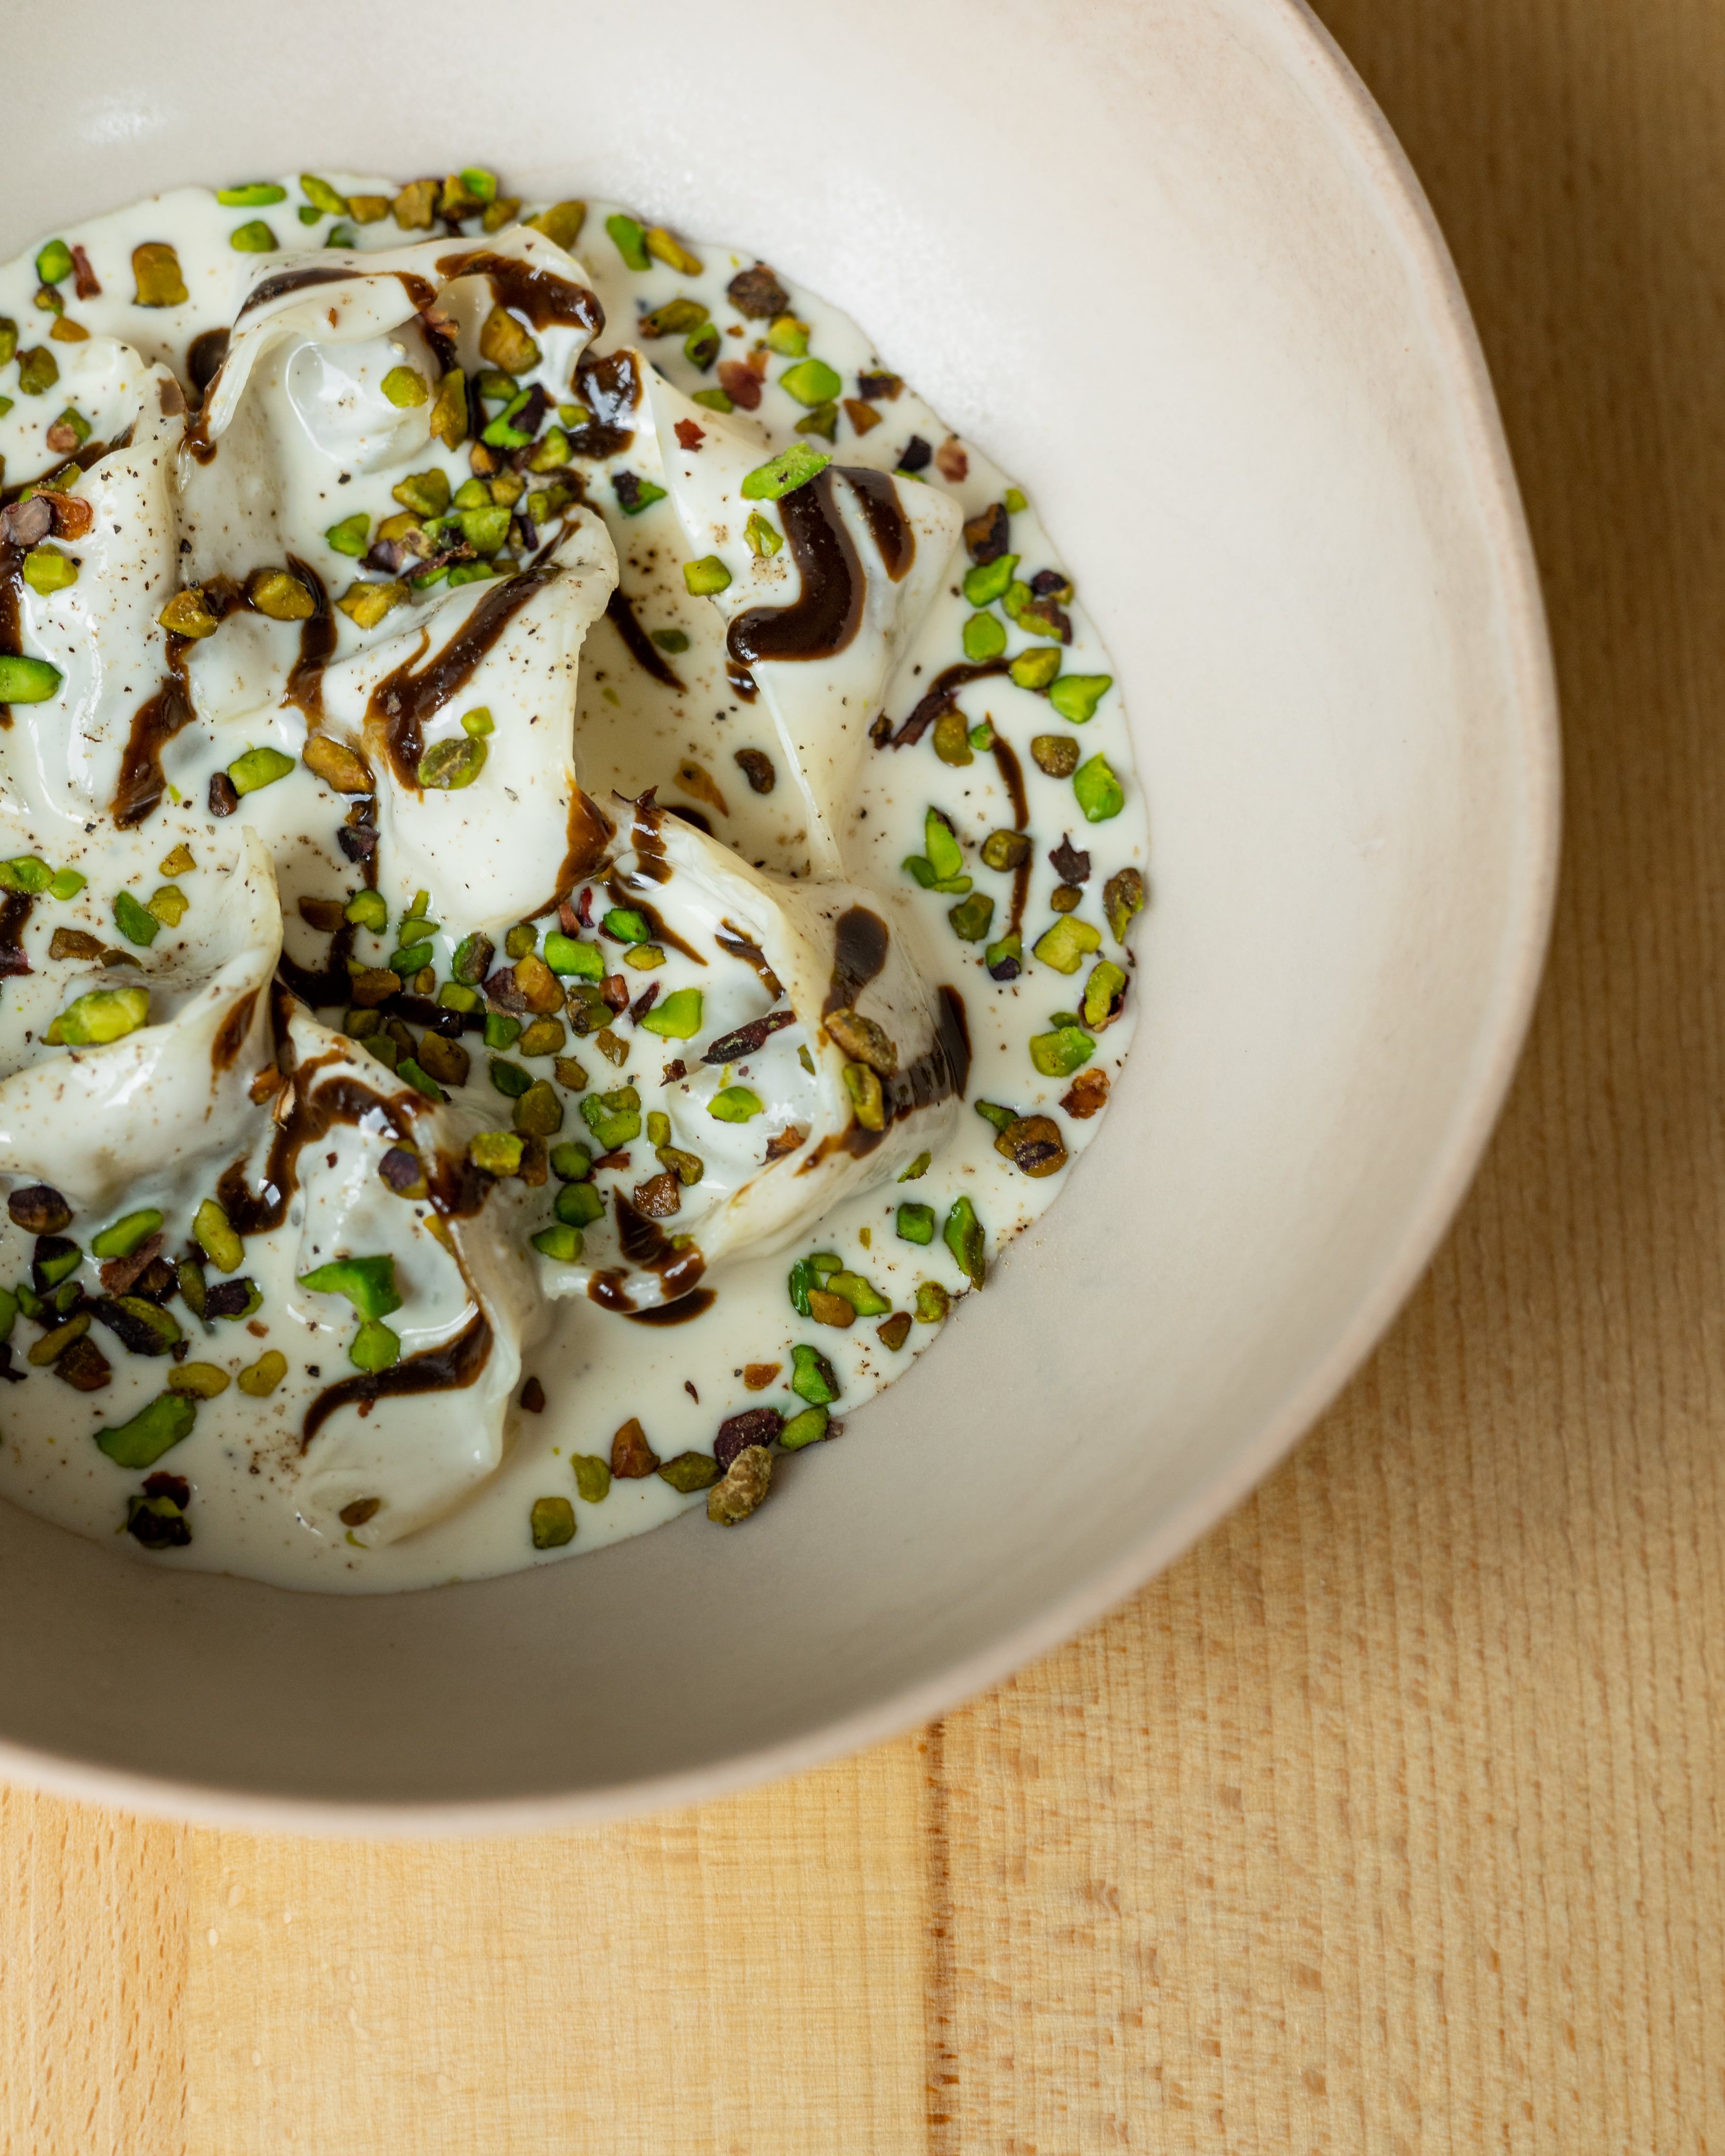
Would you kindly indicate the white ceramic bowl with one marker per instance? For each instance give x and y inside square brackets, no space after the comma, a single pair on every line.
[1163,259]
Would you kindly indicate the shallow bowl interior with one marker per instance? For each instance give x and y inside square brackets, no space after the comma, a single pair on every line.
[1161,259]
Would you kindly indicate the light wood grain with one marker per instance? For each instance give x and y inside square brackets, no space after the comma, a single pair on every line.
[1389,1820]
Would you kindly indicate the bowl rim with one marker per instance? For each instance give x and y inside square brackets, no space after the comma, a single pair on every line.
[1341,100]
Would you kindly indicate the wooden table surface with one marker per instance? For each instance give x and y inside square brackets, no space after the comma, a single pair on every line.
[1388,1820]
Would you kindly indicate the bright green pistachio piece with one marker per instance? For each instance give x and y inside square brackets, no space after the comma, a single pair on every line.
[1058,1054]
[807,1428]
[65,883]
[569,955]
[984,638]
[634,493]
[701,579]
[37,371]
[562,222]
[822,420]
[786,334]
[578,1205]
[864,1298]
[103,1015]
[54,262]
[673,318]
[735,1104]
[168,904]
[321,196]
[915,1223]
[258,768]
[701,348]
[784,474]
[999,1117]
[593,1477]
[1100,794]
[135,922]
[1104,992]
[678,1018]
[405,386]
[551,1522]
[503,1032]
[918,1168]
[154,1429]
[940,842]
[216,1236]
[426,493]
[1122,899]
[26,872]
[1067,944]
[367,1283]
[124,1235]
[813,1377]
[629,239]
[255,194]
[539,1111]
[351,534]
[670,639]
[26,680]
[1076,696]
[763,537]
[560,1243]
[47,571]
[571,1162]
[253,237]
[447,766]
[988,580]
[374,1346]
[452,996]
[369,909]
[420,1078]
[810,381]
[963,1237]
[868,1102]
[1035,669]
[614,1118]
[479,183]
[627,925]
[496,1152]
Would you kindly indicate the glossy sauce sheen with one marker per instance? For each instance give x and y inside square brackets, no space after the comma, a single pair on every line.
[404,702]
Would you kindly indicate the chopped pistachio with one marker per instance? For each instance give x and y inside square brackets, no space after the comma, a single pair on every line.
[1104,995]
[257,768]
[350,536]
[568,955]
[593,1477]
[561,223]
[951,741]
[579,1204]
[497,1152]
[321,196]
[701,348]
[339,767]
[763,537]
[447,766]
[629,239]
[688,1167]
[253,237]
[644,957]
[47,571]
[539,1113]
[1006,849]
[1036,669]
[135,922]
[1067,944]
[123,1236]
[615,1118]
[204,1380]
[449,410]
[822,420]
[1100,794]
[166,1422]
[416,205]
[864,1298]
[807,1428]
[1076,696]
[988,581]
[784,474]
[367,1283]
[1059,1052]
[215,1236]
[915,1223]
[690,1471]
[508,1079]
[261,1379]
[426,493]
[168,904]
[65,883]
[863,1041]
[104,1014]
[367,209]
[485,530]
[1057,754]
[26,872]
[186,614]
[737,1104]
[366,604]
[155,268]
[560,1243]
[53,262]
[282,598]
[452,996]
[1122,898]
[867,1101]
[374,1346]
[1034,1145]
[37,371]
[571,1162]
[8,339]
[545,1036]
[405,386]
[626,925]
[1005,960]
[255,194]
[811,381]
[673,318]
[813,1377]
[918,1168]
[963,1237]
[634,493]
[1066,898]
[26,680]
[551,1522]
[703,578]
[744,1484]
[678,1018]
[785,334]
[984,638]
[367,909]
[506,344]
[893,1334]
[932,1302]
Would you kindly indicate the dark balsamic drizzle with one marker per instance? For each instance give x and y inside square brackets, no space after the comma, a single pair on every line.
[621,893]
[342,1100]
[284,281]
[14,912]
[449,1368]
[317,644]
[138,791]
[539,294]
[646,1245]
[859,941]
[204,358]
[828,610]
[610,387]
[12,581]
[1012,777]
[639,645]
[939,698]
[404,702]
[743,684]
[679,1313]
[943,1068]
[734,944]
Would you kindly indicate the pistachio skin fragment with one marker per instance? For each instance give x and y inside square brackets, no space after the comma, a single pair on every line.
[964,1236]
[24,680]
[1034,1145]
[1066,946]
[166,1422]
[1122,899]
[813,1377]
[202,1381]
[261,1379]
[104,1014]
[593,1477]
[551,1522]
[155,271]
[690,1471]
[1100,794]
[932,1302]
[915,1224]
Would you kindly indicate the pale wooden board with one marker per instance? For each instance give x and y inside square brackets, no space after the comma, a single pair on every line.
[1389,1820]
